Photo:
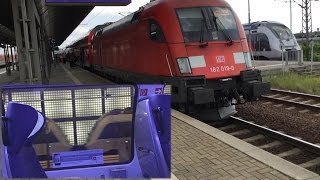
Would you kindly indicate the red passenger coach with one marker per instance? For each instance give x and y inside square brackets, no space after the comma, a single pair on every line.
[83,47]
[197,47]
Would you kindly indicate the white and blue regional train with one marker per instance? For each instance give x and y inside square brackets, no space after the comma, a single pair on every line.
[269,39]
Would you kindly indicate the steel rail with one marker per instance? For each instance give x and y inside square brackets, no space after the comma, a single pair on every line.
[303,96]
[314,148]
[295,94]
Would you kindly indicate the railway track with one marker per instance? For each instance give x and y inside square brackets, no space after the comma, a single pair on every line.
[293,149]
[306,102]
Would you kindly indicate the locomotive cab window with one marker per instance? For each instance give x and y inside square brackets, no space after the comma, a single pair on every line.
[207,24]
[156,33]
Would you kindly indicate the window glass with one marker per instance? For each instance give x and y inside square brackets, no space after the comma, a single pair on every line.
[282,32]
[262,42]
[207,24]
[156,33]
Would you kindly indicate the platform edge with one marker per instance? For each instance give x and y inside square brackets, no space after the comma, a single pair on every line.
[277,163]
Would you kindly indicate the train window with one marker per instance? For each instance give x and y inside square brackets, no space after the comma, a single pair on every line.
[262,42]
[156,33]
[282,31]
[207,23]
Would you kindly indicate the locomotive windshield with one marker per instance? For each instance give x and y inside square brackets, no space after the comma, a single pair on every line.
[207,24]
[282,31]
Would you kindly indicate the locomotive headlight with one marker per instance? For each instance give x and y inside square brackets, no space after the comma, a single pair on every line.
[184,65]
[167,89]
[247,58]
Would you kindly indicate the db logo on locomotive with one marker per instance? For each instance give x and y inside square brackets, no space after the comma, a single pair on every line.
[220,59]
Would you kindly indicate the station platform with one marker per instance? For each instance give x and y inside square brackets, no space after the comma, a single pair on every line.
[5,79]
[200,151]
[60,74]
[63,74]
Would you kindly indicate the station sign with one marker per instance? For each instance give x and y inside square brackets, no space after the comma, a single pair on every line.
[89,2]
[150,89]
[144,92]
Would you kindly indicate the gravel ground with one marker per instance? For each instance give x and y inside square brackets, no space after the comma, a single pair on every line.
[304,125]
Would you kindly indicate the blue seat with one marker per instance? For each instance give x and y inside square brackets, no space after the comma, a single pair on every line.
[21,124]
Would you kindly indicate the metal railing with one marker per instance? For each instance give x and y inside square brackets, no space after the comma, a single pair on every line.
[293,57]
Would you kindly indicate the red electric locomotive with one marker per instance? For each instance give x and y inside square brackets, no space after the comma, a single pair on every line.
[197,47]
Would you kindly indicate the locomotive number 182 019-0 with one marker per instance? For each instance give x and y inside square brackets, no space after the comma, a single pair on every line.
[221,69]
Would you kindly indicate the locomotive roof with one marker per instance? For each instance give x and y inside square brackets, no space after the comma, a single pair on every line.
[98,27]
[83,40]
[127,20]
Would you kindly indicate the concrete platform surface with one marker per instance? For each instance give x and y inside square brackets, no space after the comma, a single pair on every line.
[60,74]
[63,74]
[200,151]
[5,79]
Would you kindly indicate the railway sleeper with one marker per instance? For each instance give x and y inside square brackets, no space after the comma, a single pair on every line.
[317,104]
[266,103]
[273,95]
[231,126]
[291,108]
[297,99]
[311,163]
[291,152]
[309,101]
[254,138]
[304,111]
[284,97]
[278,105]
[271,145]
[240,132]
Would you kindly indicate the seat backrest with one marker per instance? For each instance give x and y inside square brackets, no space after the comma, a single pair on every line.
[53,134]
[22,125]
[113,117]
[116,128]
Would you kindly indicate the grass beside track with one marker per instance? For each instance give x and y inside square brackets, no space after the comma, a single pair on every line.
[295,82]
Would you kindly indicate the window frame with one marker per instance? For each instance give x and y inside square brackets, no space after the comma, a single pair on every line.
[206,7]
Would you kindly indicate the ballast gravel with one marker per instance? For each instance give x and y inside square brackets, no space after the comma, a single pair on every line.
[291,122]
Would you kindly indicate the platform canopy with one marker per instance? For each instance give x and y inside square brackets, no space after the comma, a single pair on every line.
[89,2]
[59,21]
[6,36]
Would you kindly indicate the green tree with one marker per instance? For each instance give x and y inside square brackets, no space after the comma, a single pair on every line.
[306,51]
[316,52]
